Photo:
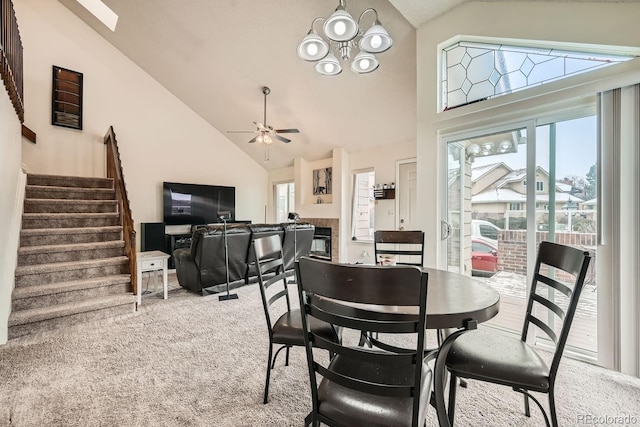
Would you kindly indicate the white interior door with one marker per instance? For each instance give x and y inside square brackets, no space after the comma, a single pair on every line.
[406,195]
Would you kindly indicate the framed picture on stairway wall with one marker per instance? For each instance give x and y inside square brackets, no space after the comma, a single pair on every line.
[66,98]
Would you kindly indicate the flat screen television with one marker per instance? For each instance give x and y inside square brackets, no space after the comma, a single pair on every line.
[196,203]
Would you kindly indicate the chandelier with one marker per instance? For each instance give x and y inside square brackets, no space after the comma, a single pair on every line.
[345,36]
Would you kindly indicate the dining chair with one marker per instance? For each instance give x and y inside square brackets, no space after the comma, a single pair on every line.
[361,386]
[283,322]
[407,247]
[484,355]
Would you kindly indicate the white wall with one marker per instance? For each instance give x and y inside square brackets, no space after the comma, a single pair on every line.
[10,203]
[160,138]
[596,23]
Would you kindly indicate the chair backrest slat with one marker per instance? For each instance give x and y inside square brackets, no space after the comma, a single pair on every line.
[550,305]
[554,284]
[350,382]
[275,297]
[270,265]
[334,318]
[540,324]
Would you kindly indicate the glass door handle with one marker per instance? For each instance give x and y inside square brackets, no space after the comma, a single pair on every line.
[445,230]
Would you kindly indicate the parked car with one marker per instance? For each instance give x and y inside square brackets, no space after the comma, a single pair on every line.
[485,230]
[484,257]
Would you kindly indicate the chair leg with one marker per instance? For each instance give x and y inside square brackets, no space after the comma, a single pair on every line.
[266,384]
[527,409]
[286,360]
[452,397]
[552,408]
[528,396]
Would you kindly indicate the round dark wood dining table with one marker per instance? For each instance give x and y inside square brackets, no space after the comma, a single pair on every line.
[454,301]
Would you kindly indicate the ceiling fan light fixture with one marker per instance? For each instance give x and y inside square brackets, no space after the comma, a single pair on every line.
[329,65]
[313,47]
[364,62]
[265,133]
[376,39]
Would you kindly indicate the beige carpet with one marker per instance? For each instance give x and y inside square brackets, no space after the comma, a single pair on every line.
[196,361]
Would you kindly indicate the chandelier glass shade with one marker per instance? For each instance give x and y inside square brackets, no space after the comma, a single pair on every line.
[343,34]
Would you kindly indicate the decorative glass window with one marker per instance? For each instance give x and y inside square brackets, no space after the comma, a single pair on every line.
[363,223]
[473,71]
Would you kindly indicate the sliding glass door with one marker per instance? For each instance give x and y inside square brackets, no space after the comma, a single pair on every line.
[510,188]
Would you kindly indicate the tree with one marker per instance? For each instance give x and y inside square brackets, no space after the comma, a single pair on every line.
[578,184]
[590,187]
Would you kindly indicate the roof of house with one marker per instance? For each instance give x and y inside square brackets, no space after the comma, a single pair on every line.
[478,172]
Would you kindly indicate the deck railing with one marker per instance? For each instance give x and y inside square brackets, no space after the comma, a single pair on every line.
[114,170]
[11,56]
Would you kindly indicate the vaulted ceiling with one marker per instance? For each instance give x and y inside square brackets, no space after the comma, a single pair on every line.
[215,56]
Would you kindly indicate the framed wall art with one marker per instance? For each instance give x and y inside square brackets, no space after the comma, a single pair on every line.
[66,99]
[322,181]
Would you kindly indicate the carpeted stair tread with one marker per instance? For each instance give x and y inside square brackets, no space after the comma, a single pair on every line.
[72,285]
[28,250]
[24,317]
[70,230]
[53,206]
[79,193]
[69,181]
[69,220]
[58,215]
[66,266]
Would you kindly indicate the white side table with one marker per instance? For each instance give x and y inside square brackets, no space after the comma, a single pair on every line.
[152,261]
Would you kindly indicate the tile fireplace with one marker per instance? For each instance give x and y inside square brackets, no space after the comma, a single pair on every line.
[321,244]
[326,238]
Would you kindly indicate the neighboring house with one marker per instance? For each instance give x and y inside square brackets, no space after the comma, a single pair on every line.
[497,190]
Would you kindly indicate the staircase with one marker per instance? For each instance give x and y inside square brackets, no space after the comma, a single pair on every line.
[71,262]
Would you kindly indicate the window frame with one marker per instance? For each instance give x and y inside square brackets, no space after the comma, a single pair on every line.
[291,199]
[355,236]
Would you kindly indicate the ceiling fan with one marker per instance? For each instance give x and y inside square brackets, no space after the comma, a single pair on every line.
[265,133]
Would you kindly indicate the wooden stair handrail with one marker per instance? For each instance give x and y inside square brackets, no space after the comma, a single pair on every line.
[114,171]
[11,57]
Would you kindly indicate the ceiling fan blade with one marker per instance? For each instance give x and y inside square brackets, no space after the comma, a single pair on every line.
[279,138]
[287,131]
[261,127]
[254,139]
